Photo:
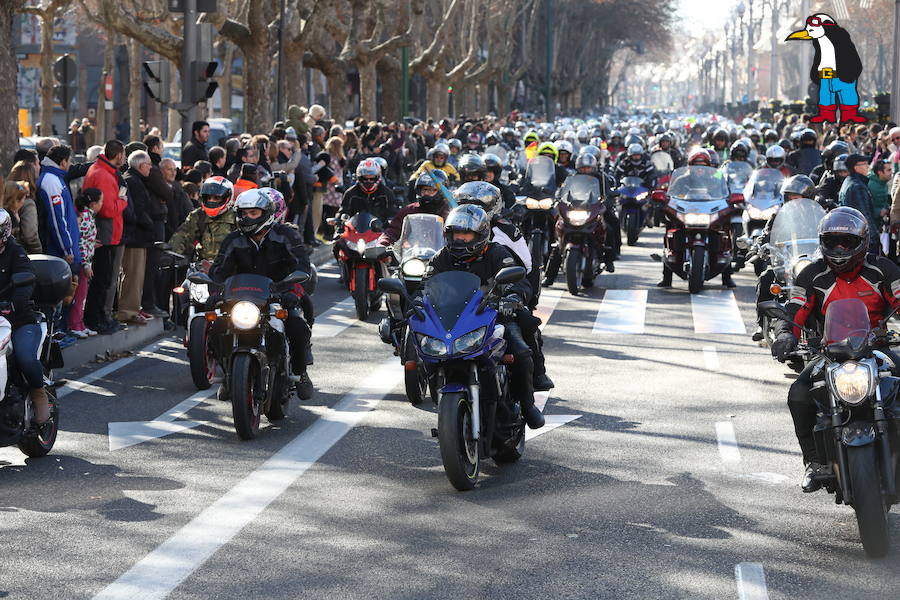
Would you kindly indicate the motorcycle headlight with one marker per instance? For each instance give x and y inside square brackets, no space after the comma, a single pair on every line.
[577,217]
[852,382]
[432,346]
[199,292]
[761,215]
[640,196]
[696,220]
[414,267]
[469,342]
[245,315]
[546,203]
[361,246]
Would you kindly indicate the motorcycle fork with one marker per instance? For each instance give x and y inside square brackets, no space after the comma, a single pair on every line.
[841,454]
[883,443]
[475,399]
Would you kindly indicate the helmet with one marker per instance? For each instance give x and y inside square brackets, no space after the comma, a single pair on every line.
[493,164]
[659,129]
[754,132]
[700,157]
[480,193]
[592,149]
[713,157]
[633,139]
[454,143]
[438,155]
[216,195]
[492,137]
[771,136]
[382,163]
[615,134]
[368,172]
[278,199]
[739,151]
[564,146]
[462,219]
[786,144]
[586,159]
[635,149]
[531,136]
[839,164]
[720,135]
[843,238]
[548,149]
[835,148]
[5,228]
[473,138]
[798,184]
[439,174]
[775,157]
[808,135]
[255,198]
[425,180]
[583,135]
[470,167]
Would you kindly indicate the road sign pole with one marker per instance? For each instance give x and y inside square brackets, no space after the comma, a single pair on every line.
[188,56]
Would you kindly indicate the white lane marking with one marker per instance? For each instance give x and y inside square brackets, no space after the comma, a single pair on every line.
[716,311]
[728,446]
[551,422]
[711,358]
[540,400]
[622,311]
[161,571]
[82,384]
[751,581]
[335,320]
[546,305]
[130,433]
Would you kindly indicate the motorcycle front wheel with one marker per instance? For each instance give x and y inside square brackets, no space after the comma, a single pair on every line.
[698,264]
[245,405]
[38,441]
[632,227]
[574,270]
[361,293]
[202,363]
[415,380]
[868,502]
[459,451]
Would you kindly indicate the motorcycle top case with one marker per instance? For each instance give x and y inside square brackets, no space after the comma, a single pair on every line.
[53,279]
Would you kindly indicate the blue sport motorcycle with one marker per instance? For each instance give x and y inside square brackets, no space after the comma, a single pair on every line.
[460,342]
[633,201]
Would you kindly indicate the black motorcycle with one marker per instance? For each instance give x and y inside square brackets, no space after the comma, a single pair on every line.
[249,341]
[537,200]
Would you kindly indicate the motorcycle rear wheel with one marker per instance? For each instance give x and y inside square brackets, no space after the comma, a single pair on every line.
[871,515]
[202,364]
[574,271]
[361,293]
[281,396]
[697,277]
[35,444]
[245,406]
[459,452]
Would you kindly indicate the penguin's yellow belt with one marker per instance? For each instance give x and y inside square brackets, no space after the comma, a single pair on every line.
[827,74]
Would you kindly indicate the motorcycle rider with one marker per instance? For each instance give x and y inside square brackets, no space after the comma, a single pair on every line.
[718,141]
[844,271]
[467,234]
[636,164]
[698,158]
[549,150]
[369,194]
[615,146]
[739,152]
[471,168]
[586,164]
[435,158]
[807,157]
[830,187]
[775,159]
[493,170]
[428,201]
[263,246]
[796,186]
[666,143]
[564,154]
[831,151]
[207,227]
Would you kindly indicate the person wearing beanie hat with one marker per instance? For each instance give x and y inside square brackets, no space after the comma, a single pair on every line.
[248,179]
[855,194]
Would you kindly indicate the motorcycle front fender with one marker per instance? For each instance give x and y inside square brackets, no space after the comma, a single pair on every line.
[858,433]
[453,387]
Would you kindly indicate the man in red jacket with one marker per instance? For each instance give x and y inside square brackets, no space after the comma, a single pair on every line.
[104,175]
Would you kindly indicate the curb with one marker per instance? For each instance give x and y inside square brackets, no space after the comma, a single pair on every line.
[86,350]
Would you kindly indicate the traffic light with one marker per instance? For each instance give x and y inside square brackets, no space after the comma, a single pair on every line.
[202,88]
[66,74]
[157,84]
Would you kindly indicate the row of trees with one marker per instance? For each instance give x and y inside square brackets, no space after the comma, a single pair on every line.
[482,48]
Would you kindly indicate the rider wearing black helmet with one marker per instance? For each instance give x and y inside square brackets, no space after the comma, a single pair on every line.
[807,157]
[493,169]
[428,200]
[471,168]
[830,186]
[844,271]
[263,246]
[831,151]
[467,234]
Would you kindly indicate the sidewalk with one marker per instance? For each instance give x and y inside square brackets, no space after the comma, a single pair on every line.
[138,336]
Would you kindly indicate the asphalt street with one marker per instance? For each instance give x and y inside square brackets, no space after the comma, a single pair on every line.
[671,471]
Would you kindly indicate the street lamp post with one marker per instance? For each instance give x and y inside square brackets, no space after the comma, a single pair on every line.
[773,54]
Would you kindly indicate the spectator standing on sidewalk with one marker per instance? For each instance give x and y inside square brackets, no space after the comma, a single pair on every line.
[88,204]
[138,236]
[195,149]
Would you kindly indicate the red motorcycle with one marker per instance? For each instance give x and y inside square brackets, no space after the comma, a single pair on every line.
[698,207]
[361,260]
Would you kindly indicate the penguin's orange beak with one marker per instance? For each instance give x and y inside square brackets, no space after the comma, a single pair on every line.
[799,35]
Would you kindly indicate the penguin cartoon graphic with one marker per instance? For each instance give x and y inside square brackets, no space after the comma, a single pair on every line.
[836,67]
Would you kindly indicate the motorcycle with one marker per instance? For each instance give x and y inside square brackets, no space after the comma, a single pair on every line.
[580,233]
[537,200]
[247,337]
[698,242]
[458,339]
[663,164]
[737,173]
[359,271]
[762,199]
[856,426]
[420,239]
[633,202]
[51,279]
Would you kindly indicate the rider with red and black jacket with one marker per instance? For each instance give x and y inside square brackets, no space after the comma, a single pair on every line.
[845,271]
[369,194]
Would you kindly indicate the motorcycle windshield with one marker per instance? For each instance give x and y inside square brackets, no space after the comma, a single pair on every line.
[541,174]
[764,186]
[847,322]
[248,287]
[662,162]
[737,174]
[362,222]
[581,191]
[698,184]
[422,236]
[795,237]
[449,293]
[500,151]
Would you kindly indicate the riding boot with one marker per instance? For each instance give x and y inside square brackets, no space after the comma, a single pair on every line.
[666,278]
[726,278]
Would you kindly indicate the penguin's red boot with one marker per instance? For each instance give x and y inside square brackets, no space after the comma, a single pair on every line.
[827,114]
[848,114]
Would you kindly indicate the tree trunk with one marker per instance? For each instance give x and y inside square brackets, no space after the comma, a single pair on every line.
[504,98]
[226,83]
[9,125]
[103,115]
[462,99]
[367,90]
[389,75]
[294,78]
[134,89]
[257,89]
[337,95]
[47,79]
[436,98]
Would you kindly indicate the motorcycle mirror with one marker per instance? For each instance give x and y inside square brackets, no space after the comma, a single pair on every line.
[392,285]
[735,198]
[162,246]
[509,275]
[773,309]
[377,226]
[22,279]
[200,278]
[295,277]
[375,253]
[742,242]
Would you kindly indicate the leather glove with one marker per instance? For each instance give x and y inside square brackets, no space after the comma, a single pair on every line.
[509,305]
[783,345]
[290,300]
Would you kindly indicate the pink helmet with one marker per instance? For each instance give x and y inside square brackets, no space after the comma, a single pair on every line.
[280,205]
